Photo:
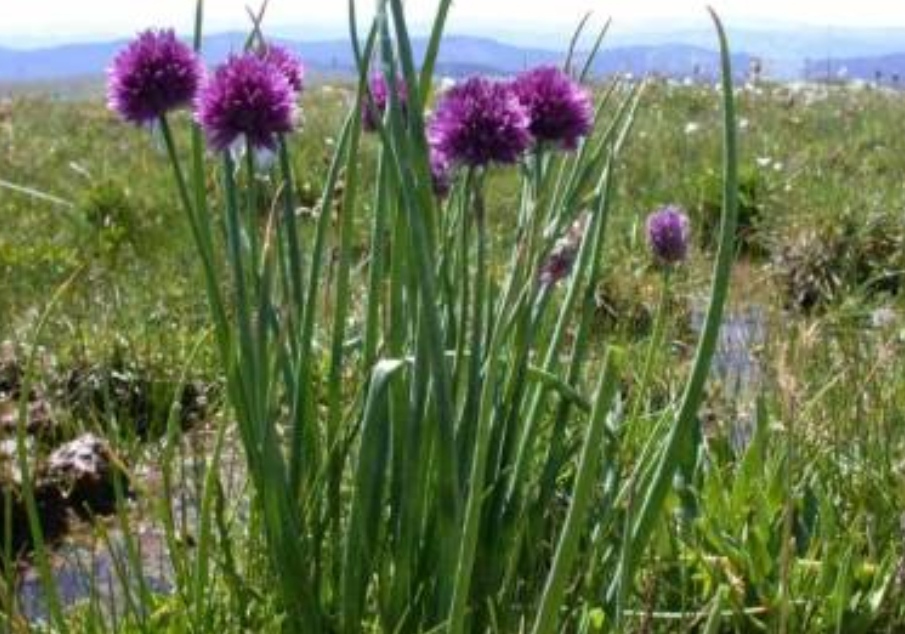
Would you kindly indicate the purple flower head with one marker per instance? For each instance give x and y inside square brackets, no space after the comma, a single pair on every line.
[154,74]
[441,174]
[480,122]
[288,64]
[246,98]
[372,113]
[668,234]
[560,109]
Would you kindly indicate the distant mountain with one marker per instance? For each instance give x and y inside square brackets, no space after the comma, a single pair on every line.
[783,51]
[674,47]
[775,41]
[54,63]
[888,70]
[459,55]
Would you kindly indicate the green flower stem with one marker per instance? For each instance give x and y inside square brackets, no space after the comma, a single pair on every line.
[483,413]
[246,357]
[653,347]
[200,232]
[463,290]
[655,495]
[252,215]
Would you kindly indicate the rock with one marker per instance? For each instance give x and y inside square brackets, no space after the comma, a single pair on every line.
[40,421]
[84,471]
[194,403]
[78,476]
[48,499]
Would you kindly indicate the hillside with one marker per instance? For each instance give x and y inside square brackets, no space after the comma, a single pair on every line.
[460,55]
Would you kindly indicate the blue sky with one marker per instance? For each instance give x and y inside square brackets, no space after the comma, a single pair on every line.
[23,20]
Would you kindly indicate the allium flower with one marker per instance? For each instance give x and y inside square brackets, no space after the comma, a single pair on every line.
[371,113]
[288,64]
[441,174]
[559,263]
[154,74]
[668,234]
[480,122]
[247,99]
[560,109]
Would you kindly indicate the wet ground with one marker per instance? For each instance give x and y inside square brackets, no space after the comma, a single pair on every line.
[95,562]
[736,370]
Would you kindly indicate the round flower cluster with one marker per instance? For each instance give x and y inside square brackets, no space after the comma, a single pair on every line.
[154,74]
[247,98]
[288,64]
[250,97]
[482,121]
[668,234]
[560,110]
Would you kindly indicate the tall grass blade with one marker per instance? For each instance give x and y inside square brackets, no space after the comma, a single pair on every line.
[667,462]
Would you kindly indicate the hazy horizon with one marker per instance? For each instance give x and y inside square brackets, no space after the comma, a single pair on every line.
[52,22]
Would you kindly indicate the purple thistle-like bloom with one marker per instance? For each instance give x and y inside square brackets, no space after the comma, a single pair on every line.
[668,234]
[441,174]
[246,98]
[287,63]
[480,122]
[372,112]
[560,109]
[154,74]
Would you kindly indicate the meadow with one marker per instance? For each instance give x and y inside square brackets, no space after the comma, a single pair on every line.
[399,429]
